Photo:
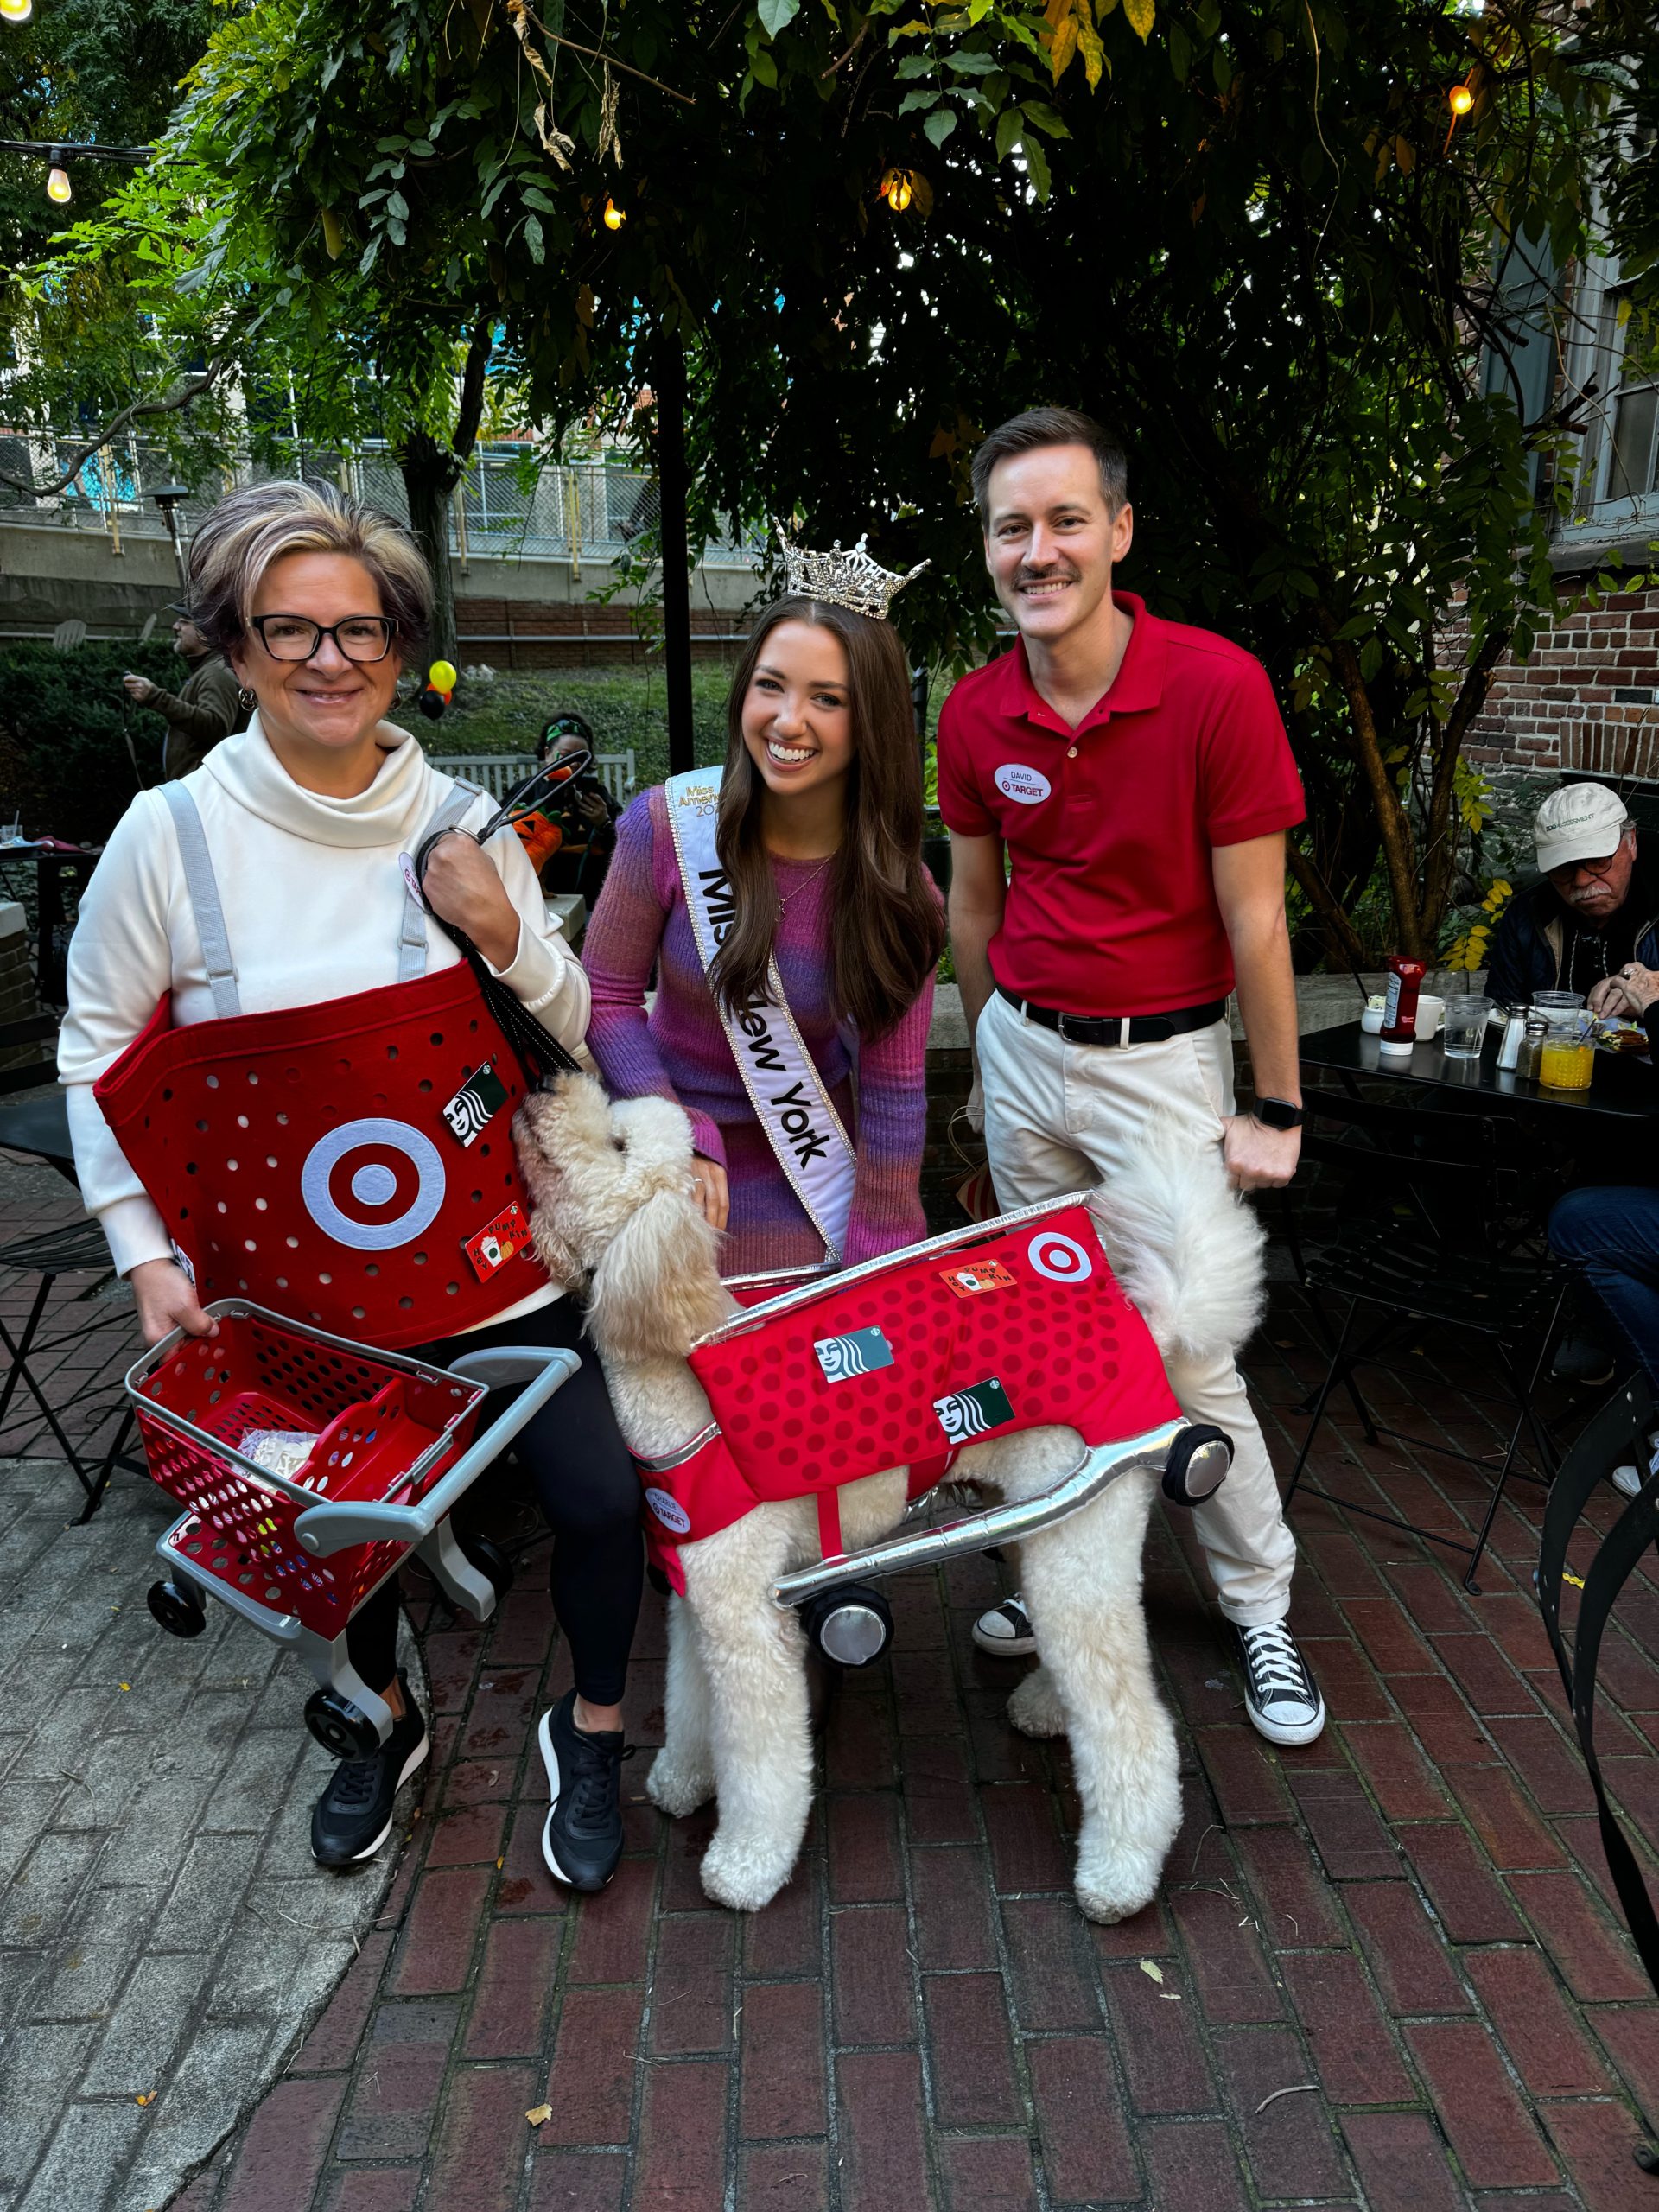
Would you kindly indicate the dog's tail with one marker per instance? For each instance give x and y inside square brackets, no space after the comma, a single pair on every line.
[1185,1246]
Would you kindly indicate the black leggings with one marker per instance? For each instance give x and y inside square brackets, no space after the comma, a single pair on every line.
[589,1494]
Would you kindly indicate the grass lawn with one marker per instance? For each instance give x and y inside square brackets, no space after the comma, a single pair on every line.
[625,708]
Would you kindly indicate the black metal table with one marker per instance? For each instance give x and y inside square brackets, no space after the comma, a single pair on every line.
[1623,1088]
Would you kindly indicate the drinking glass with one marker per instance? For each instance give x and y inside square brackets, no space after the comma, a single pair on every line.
[1465,1027]
[1567,1062]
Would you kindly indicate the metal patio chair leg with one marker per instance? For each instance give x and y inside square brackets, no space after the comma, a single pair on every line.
[1321,1399]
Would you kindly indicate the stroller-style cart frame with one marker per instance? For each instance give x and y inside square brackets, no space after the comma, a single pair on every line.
[396,1444]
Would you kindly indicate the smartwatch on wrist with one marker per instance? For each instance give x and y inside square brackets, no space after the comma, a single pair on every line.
[1277,1114]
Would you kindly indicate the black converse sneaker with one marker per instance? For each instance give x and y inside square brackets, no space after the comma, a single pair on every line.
[352,1817]
[1005,1631]
[1281,1696]
[582,1838]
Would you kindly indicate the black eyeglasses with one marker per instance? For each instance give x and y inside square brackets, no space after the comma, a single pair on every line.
[1569,871]
[295,637]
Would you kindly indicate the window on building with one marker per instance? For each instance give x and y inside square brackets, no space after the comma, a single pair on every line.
[1615,348]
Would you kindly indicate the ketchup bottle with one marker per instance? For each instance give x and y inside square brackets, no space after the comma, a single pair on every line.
[1398,1032]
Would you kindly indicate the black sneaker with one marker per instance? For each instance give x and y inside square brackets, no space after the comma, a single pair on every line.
[1005,1631]
[352,1817]
[1281,1696]
[581,1838]
[1583,1359]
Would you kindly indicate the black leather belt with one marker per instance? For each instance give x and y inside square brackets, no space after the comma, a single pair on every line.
[1118,1029]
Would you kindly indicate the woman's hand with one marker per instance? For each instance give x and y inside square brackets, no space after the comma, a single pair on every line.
[1633,990]
[167,1301]
[462,887]
[710,1189]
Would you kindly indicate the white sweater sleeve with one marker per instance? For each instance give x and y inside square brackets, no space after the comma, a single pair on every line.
[120,965]
[544,973]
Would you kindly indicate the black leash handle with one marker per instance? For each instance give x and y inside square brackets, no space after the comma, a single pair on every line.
[538,1052]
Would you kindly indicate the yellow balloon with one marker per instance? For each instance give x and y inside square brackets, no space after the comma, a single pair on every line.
[442,676]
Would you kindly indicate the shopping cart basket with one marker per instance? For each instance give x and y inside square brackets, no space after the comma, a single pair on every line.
[311,1467]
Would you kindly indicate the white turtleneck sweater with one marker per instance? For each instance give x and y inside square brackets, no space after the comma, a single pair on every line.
[313,900]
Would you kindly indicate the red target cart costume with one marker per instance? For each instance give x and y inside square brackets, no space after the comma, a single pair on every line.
[337,1176]
[1004,1325]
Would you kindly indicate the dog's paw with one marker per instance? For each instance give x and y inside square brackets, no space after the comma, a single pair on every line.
[1117,1889]
[676,1790]
[1035,1709]
[742,1875]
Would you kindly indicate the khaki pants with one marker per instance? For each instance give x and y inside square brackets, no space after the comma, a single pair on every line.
[1061,1118]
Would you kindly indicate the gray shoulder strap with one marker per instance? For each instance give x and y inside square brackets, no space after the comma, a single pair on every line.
[411,944]
[203,887]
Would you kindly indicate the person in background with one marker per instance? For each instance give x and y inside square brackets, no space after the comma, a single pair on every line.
[206,707]
[1592,916]
[1595,909]
[1138,774]
[585,813]
[1610,1232]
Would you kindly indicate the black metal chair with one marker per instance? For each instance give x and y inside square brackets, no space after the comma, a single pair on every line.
[1428,1231]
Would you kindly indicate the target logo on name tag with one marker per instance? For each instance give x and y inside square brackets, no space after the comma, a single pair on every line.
[479,1097]
[497,1242]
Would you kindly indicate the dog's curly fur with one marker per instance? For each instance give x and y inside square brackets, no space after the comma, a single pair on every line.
[611,1188]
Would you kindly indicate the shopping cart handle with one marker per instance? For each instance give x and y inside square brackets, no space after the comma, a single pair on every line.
[326,1528]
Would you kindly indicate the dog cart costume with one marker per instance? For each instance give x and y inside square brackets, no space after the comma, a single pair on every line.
[1005,1325]
[349,1165]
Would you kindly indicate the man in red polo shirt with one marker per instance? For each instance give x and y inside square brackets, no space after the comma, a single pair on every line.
[1136,775]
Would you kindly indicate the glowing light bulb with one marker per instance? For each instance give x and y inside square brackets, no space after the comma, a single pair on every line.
[898,187]
[613,217]
[1460,99]
[57,187]
[17,11]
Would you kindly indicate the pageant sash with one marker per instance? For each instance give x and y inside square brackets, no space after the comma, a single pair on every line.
[780,1074]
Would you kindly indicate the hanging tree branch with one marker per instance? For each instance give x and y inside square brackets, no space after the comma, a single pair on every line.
[141,410]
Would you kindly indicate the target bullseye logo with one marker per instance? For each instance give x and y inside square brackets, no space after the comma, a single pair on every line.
[1062,1259]
[357,1173]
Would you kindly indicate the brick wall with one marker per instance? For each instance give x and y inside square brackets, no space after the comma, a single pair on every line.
[17,999]
[512,633]
[1586,701]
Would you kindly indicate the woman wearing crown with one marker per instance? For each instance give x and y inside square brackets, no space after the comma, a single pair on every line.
[783,900]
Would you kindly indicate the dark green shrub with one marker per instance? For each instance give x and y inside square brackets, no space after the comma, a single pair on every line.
[64,763]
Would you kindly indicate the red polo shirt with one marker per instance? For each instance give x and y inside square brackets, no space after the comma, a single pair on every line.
[1111,904]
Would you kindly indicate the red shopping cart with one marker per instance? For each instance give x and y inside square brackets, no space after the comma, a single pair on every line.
[311,1467]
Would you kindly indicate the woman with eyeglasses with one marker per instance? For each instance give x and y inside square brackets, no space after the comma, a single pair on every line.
[275,878]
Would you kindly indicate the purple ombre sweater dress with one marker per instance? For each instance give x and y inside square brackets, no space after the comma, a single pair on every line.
[680,1051]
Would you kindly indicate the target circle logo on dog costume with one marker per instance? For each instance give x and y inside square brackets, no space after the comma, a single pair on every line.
[1028,786]
[1060,1259]
[350,1168]
[669,1511]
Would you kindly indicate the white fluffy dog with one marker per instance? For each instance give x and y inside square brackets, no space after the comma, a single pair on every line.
[612,1187]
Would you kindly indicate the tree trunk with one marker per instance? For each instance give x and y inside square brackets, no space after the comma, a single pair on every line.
[429,473]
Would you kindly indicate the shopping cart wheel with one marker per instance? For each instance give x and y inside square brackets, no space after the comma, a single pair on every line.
[176,1610]
[1198,1463]
[851,1623]
[340,1726]
[490,1560]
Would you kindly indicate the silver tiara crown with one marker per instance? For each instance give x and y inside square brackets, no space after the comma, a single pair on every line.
[853,579]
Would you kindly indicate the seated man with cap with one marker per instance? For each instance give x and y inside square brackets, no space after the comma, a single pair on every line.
[1596,910]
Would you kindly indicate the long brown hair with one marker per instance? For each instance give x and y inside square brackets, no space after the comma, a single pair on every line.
[886,931]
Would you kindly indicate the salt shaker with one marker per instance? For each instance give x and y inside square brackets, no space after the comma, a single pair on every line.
[1515,1029]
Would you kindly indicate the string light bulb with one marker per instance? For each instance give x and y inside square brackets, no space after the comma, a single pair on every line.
[613,217]
[17,11]
[1460,99]
[898,188]
[58,188]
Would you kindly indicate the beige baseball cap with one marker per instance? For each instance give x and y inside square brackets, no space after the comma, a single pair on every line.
[1579,822]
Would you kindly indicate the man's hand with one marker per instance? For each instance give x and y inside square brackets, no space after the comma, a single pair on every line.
[1256,1157]
[1632,991]
[167,1301]
[710,1190]
[462,887]
[138,688]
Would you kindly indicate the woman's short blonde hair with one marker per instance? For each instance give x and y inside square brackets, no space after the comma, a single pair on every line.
[252,528]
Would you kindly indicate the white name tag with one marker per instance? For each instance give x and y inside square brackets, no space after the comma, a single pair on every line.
[1025,784]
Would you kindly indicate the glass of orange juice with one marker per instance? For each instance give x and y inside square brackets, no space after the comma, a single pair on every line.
[1567,1062]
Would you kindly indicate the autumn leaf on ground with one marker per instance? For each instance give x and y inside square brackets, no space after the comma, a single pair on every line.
[538,2113]
[1155,1972]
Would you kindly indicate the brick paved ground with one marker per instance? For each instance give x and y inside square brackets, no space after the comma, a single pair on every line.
[1405,1926]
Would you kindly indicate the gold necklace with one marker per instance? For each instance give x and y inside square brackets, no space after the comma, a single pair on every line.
[783,897]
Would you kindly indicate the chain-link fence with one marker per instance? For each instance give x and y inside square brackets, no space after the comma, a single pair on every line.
[581,510]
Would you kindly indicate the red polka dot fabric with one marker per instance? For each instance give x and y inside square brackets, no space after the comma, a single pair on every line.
[1025,1329]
